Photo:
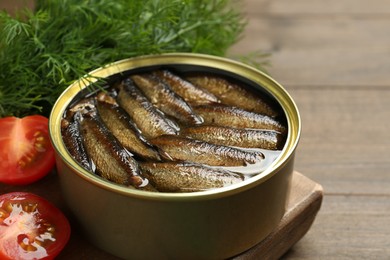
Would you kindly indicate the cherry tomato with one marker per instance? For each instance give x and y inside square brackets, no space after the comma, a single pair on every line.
[31,227]
[26,153]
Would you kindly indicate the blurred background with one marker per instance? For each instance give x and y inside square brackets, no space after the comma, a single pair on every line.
[12,5]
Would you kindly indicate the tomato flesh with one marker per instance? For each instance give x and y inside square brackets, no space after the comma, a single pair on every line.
[31,227]
[26,153]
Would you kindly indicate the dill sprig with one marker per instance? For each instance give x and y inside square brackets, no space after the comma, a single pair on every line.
[43,51]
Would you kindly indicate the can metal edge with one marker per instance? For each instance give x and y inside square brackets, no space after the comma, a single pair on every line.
[270,85]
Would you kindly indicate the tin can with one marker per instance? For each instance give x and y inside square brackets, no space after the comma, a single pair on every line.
[213,224]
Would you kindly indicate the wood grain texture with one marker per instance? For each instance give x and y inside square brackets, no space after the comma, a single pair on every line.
[347,227]
[316,7]
[304,202]
[333,57]
[344,143]
[311,49]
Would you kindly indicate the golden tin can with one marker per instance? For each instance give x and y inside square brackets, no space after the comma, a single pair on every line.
[213,224]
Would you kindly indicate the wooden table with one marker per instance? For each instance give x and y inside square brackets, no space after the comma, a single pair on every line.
[334,59]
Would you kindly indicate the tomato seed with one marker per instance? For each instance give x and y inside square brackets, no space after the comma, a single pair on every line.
[8,207]
[39,147]
[40,138]
[3,215]
[51,229]
[30,207]
[37,134]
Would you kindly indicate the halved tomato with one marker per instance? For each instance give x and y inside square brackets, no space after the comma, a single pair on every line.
[26,153]
[31,227]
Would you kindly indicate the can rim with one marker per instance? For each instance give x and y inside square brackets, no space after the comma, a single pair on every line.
[225,64]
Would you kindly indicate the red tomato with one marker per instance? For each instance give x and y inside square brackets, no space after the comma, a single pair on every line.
[26,153]
[31,227]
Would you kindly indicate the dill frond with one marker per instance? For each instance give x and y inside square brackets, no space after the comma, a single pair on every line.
[43,51]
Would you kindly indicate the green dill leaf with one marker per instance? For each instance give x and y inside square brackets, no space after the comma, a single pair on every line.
[45,50]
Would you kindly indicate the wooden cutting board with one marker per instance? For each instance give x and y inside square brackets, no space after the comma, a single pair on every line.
[303,204]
